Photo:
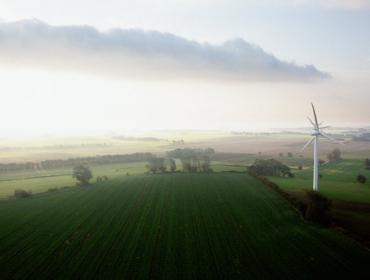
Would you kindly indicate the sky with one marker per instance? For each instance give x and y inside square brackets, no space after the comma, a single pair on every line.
[111,66]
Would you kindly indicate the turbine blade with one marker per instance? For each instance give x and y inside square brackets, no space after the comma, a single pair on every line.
[307,144]
[329,138]
[310,121]
[314,113]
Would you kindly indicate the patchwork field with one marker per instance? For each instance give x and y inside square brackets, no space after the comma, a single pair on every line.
[175,226]
[268,144]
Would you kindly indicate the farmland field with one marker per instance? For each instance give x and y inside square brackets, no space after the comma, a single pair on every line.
[48,148]
[350,199]
[38,181]
[338,181]
[269,144]
[175,226]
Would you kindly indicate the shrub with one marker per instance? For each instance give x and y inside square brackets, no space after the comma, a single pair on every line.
[82,174]
[156,164]
[172,164]
[361,179]
[334,155]
[100,179]
[22,193]
[367,163]
[302,207]
[318,207]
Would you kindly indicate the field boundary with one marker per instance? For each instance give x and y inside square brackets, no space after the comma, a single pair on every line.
[35,177]
[298,204]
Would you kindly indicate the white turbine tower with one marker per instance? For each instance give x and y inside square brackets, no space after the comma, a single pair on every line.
[316,133]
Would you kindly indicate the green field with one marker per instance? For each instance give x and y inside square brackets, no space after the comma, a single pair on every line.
[338,181]
[175,226]
[42,180]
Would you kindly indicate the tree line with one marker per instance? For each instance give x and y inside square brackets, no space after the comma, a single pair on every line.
[192,160]
[270,167]
[57,163]
[160,165]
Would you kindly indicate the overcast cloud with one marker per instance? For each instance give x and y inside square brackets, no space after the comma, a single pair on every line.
[138,54]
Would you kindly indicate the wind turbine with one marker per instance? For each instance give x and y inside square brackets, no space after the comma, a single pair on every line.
[316,133]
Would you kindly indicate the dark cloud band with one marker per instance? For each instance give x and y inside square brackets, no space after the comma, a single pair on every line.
[138,54]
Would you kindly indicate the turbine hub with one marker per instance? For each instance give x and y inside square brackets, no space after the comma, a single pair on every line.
[315,132]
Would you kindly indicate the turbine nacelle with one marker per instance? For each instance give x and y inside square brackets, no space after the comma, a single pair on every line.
[317,130]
